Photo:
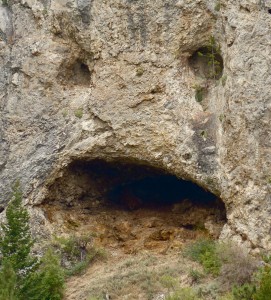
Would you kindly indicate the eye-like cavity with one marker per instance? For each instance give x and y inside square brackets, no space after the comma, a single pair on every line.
[207,62]
[77,73]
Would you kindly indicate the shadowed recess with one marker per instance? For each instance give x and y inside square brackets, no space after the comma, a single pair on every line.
[126,185]
[207,63]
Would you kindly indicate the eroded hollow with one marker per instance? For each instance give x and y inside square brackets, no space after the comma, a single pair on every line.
[207,62]
[132,206]
[77,73]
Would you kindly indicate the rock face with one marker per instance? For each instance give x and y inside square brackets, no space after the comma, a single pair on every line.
[113,80]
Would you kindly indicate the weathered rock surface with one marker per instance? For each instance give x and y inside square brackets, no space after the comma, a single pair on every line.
[111,79]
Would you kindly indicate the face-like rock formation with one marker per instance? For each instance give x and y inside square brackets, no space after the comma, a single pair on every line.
[179,85]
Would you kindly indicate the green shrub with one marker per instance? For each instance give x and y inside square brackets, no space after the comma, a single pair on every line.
[217,6]
[139,71]
[78,268]
[93,254]
[21,276]
[238,266]
[227,296]
[183,294]
[48,282]
[15,239]
[195,250]
[204,252]
[73,248]
[8,281]
[244,292]
[5,2]
[76,251]
[212,56]
[78,113]
[263,291]
[195,275]
[199,92]
[169,282]
[211,262]
[209,291]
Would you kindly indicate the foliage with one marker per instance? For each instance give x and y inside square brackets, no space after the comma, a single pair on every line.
[77,253]
[81,266]
[5,2]
[218,5]
[7,282]
[204,252]
[73,248]
[211,55]
[78,268]
[21,276]
[199,92]
[15,239]
[243,292]
[48,282]
[183,294]
[79,113]
[195,275]
[211,262]
[258,290]
[238,266]
[263,291]
[169,282]
[139,71]
[196,249]
[227,296]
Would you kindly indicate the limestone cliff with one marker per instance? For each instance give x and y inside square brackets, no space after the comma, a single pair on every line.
[116,80]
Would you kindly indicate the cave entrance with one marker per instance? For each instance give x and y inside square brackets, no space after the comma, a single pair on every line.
[132,206]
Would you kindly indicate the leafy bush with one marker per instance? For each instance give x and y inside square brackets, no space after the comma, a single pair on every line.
[78,113]
[76,253]
[211,262]
[217,6]
[227,296]
[244,292]
[200,92]
[195,275]
[78,268]
[204,252]
[8,282]
[5,2]
[47,282]
[212,55]
[73,248]
[263,291]
[183,294]
[169,282]
[238,266]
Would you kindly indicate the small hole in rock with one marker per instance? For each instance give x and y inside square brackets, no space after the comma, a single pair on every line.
[207,62]
[77,73]
[81,73]
[269,10]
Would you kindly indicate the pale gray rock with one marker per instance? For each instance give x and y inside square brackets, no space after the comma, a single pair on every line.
[111,79]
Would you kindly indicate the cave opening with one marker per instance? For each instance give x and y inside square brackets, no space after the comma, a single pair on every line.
[132,204]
